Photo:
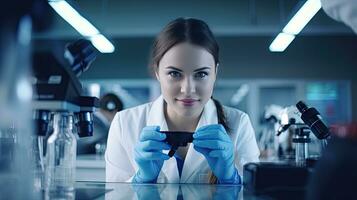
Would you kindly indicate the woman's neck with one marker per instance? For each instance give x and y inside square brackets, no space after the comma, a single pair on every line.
[179,123]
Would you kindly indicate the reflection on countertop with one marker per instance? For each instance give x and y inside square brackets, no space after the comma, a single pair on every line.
[158,191]
[102,190]
[90,167]
[90,177]
[91,160]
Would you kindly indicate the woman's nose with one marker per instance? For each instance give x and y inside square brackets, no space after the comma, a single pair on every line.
[188,86]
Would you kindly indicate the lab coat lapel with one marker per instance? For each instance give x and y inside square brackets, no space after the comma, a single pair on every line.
[156,117]
[194,160]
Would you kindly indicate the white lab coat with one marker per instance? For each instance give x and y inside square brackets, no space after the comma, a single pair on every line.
[342,10]
[127,125]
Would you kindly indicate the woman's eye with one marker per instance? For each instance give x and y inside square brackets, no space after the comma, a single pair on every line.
[201,74]
[174,74]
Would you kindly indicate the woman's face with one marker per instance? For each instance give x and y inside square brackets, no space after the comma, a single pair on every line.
[186,74]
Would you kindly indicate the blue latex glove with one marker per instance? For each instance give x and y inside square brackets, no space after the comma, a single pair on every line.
[148,154]
[215,144]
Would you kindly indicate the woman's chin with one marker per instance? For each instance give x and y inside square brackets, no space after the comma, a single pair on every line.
[189,112]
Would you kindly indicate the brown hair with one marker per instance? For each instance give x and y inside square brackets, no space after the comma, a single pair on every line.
[196,32]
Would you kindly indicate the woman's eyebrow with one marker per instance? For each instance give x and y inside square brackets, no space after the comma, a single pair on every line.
[174,68]
[202,68]
[177,69]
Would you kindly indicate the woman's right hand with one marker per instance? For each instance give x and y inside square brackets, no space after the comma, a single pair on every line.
[148,154]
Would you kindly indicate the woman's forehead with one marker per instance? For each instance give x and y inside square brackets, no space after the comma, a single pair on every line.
[187,56]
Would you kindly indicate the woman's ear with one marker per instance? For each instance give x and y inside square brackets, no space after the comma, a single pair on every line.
[156,71]
[216,72]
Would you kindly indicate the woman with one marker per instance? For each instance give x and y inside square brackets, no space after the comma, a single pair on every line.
[185,62]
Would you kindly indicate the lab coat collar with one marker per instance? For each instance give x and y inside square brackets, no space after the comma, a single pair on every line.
[156,115]
[193,158]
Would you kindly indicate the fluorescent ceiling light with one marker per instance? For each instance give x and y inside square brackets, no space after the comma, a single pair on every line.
[102,43]
[281,42]
[82,25]
[302,17]
[295,25]
[68,13]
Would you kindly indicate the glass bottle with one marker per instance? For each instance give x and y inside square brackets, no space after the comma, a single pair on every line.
[61,156]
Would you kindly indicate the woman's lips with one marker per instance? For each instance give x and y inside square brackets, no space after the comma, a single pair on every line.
[187,102]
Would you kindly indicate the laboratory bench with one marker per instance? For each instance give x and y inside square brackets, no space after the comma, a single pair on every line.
[102,190]
[90,167]
[263,180]
[90,184]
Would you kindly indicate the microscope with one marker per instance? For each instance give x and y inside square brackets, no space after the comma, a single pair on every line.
[312,123]
[58,93]
[59,90]
[286,175]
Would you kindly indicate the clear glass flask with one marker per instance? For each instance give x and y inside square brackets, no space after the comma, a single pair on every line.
[61,157]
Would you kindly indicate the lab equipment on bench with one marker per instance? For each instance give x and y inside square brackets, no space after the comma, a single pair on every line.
[301,140]
[18,19]
[59,89]
[266,177]
[61,155]
[285,174]
[267,140]
[312,118]
[58,103]
[312,122]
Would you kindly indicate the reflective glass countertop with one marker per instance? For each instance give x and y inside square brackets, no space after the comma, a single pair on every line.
[103,190]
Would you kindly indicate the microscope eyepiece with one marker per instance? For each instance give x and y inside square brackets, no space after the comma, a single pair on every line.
[42,120]
[312,118]
[80,55]
[301,106]
[84,123]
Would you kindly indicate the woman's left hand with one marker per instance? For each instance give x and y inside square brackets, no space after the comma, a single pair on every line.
[217,147]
